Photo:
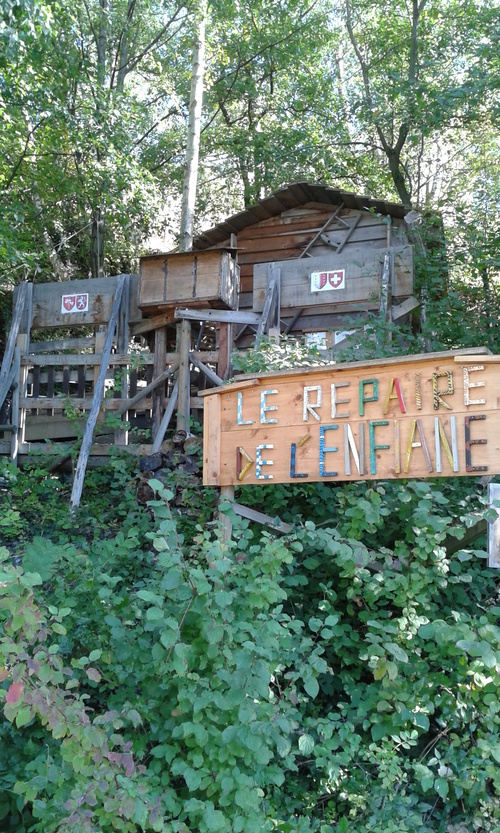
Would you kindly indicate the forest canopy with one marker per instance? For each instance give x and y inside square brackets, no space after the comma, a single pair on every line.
[396,99]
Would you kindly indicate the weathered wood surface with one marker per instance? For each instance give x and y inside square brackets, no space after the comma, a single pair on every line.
[8,356]
[218,316]
[149,324]
[210,374]
[362,267]
[261,518]
[357,421]
[188,277]
[159,367]
[290,234]
[90,359]
[98,395]
[86,343]
[47,299]
[183,409]
[14,441]
[165,421]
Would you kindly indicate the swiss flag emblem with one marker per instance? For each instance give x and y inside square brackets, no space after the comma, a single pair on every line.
[336,279]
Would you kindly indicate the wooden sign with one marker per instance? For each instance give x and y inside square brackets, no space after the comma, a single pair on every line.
[75,303]
[359,271]
[436,415]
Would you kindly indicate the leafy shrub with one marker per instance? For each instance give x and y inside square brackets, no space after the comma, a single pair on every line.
[343,678]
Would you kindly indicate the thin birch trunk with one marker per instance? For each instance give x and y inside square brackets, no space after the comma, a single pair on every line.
[194,130]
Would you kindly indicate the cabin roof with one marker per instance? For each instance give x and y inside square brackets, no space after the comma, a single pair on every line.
[294,195]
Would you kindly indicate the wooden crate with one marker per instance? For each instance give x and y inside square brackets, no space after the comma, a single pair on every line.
[209,278]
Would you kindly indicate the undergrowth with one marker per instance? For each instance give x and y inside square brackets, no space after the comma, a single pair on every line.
[154,676]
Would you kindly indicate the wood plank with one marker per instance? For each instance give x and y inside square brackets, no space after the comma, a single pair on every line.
[167,416]
[210,374]
[16,409]
[218,316]
[261,518]
[149,324]
[86,343]
[211,441]
[362,278]
[75,359]
[47,300]
[59,403]
[122,345]
[183,410]
[12,340]
[226,344]
[98,395]
[159,367]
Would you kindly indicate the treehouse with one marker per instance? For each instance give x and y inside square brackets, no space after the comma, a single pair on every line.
[307,259]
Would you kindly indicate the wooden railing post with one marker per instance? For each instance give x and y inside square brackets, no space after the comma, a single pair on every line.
[183,421]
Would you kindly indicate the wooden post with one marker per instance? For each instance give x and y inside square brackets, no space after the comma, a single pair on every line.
[14,440]
[167,416]
[12,341]
[122,347]
[225,350]
[22,342]
[184,330]
[226,493]
[274,272]
[159,365]
[96,402]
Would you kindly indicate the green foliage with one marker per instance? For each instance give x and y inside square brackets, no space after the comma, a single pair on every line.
[270,355]
[342,678]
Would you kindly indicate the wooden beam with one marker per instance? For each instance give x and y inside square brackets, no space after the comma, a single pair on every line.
[159,366]
[167,416]
[183,378]
[260,517]
[122,343]
[322,229]
[12,340]
[154,323]
[218,316]
[210,374]
[225,350]
[272,289]
[76,492]
[62,344]
[14,440]
[142,394]
[75,359]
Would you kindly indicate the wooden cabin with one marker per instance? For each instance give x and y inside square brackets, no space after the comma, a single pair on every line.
[307,259]
[317,235]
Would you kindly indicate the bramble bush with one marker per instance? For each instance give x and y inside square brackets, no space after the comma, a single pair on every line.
[341,679]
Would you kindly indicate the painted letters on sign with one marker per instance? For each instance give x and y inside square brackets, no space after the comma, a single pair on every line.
[75,303]
[420,416]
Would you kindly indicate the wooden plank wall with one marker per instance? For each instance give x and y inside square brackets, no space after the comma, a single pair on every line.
[286,236]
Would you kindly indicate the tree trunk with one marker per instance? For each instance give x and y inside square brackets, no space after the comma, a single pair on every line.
[194,130]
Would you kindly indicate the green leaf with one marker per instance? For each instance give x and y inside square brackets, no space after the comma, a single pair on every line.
[396,651]
[311,686]
[306,744]
[442,787]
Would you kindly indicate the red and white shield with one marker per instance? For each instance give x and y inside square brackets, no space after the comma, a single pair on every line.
[82,302]
[320,279]
[68,303]
[336,279]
